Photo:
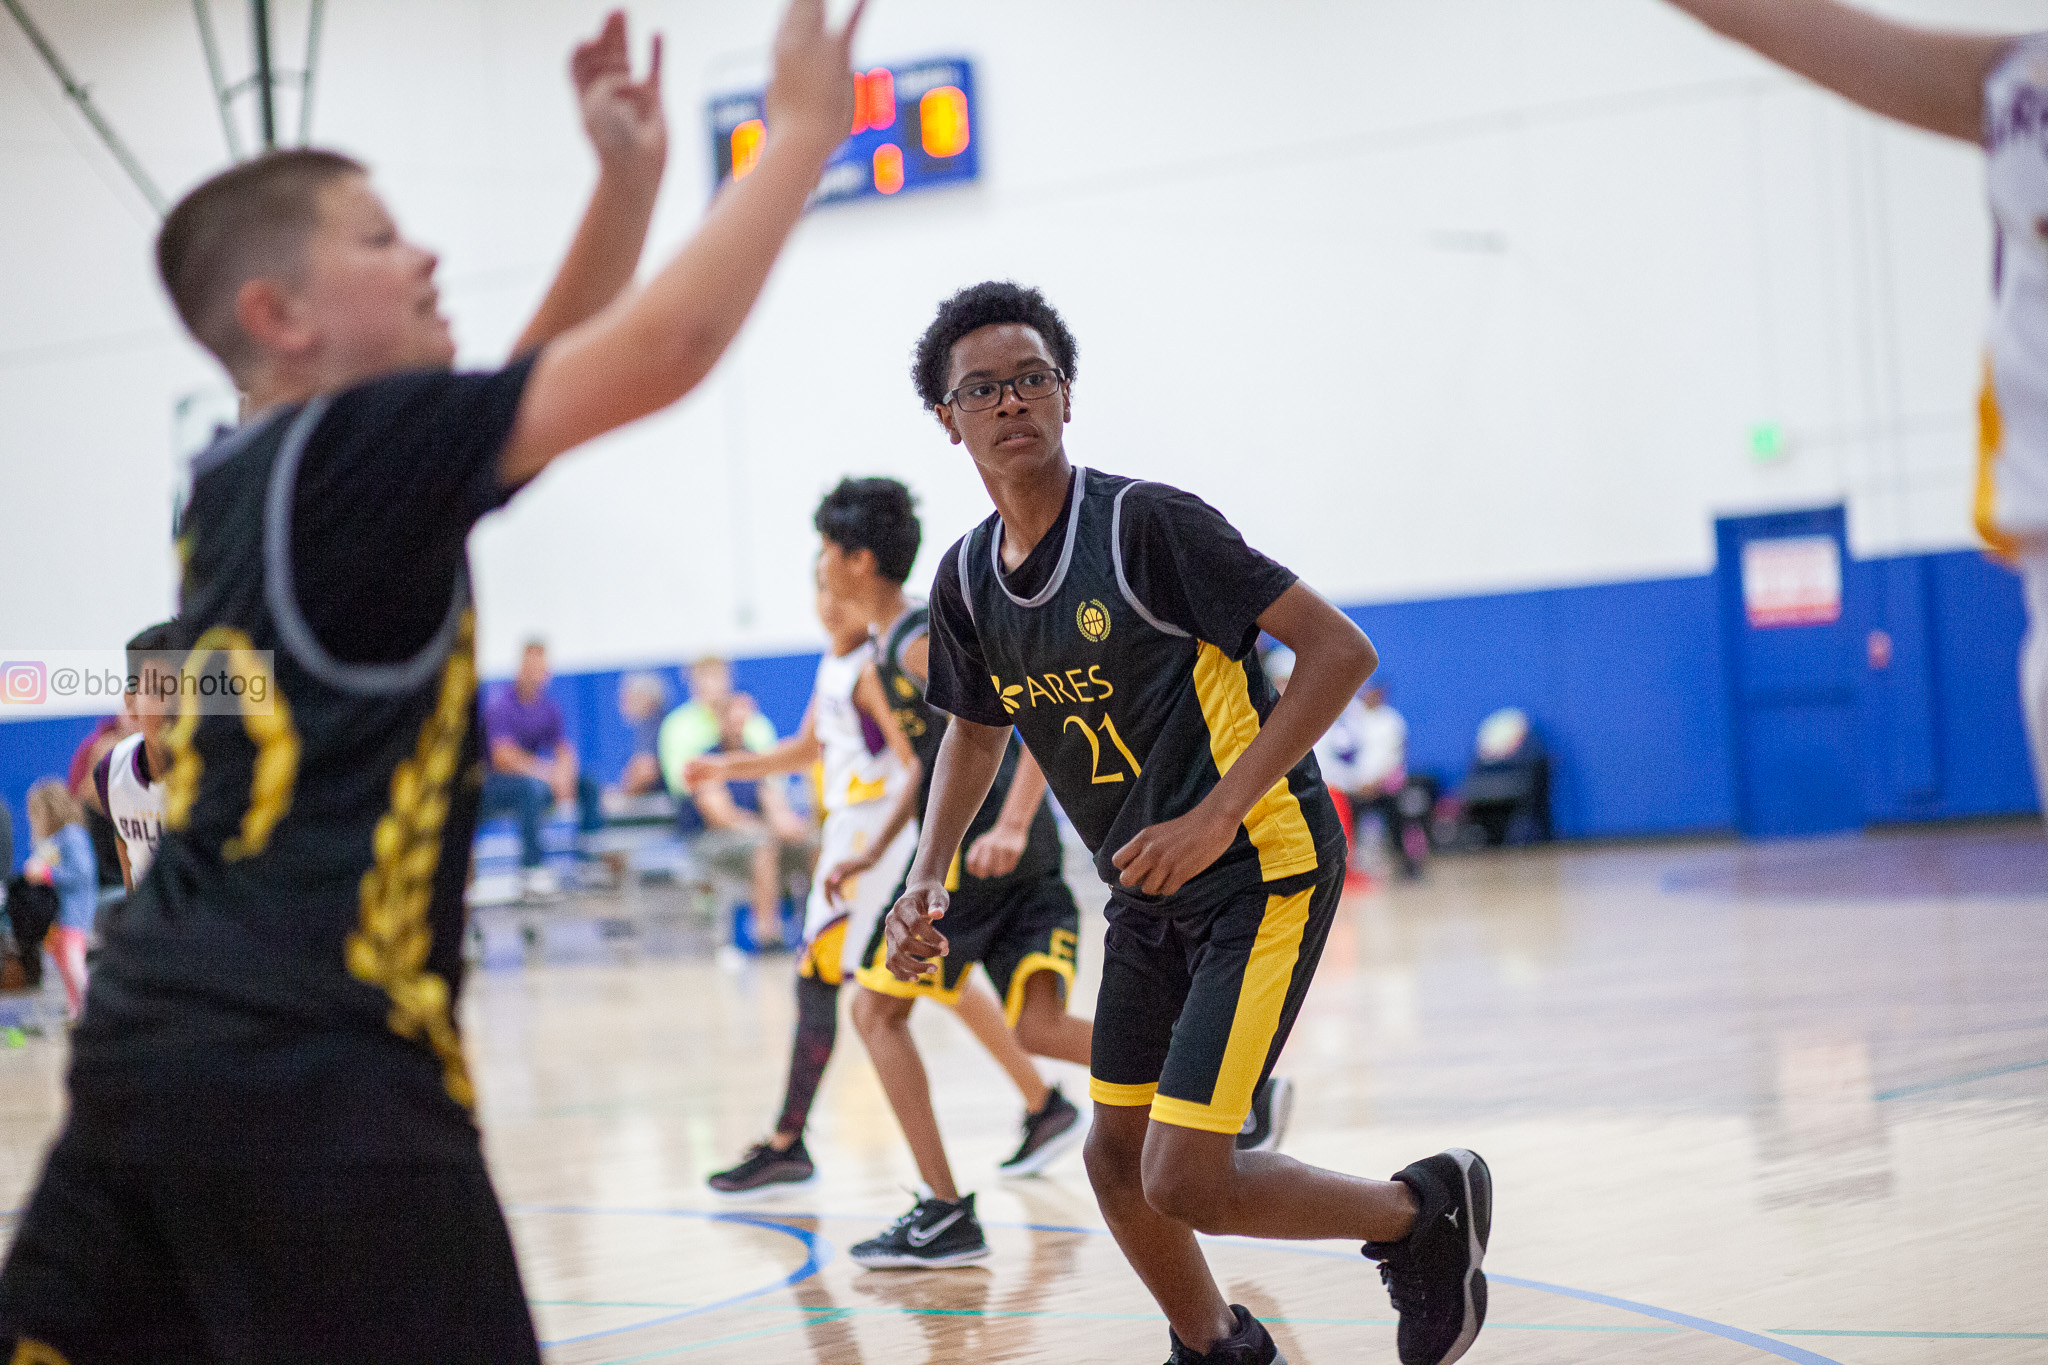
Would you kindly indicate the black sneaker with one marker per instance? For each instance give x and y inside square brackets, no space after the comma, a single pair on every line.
[1049,1135]
[931,1236]
[1250,1344]
[1432,1275]
[1272,1106]
[765,1170]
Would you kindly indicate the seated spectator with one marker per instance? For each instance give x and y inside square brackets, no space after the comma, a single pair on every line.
[643,697]
[63,861]
[748,830]
[1507,790]
[692,728]
[532,766]
[1364,755]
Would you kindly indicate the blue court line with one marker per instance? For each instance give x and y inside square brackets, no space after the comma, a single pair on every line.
[818,1252]
[1902,1091]
[1912,1336]
[1783,1350]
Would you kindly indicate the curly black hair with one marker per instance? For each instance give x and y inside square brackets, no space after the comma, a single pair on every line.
[879,515]
[985,305]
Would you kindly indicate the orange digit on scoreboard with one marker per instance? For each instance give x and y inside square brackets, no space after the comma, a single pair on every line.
[746,146]
[888,168]
[942,116]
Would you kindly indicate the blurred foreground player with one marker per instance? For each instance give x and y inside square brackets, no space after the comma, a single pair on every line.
[1991,90]
[1113,624]
[271,1153]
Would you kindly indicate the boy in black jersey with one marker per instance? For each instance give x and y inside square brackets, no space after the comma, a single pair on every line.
[1112,623]
[271,1152]
[1012,892]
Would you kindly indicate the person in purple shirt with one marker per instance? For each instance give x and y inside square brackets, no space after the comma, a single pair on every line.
[533,765]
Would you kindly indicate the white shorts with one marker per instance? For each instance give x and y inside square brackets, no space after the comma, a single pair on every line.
[865,898]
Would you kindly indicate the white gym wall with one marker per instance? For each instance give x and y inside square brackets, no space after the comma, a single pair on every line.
[1430,296]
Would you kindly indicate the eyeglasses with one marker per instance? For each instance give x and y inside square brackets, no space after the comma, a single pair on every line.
[984,394]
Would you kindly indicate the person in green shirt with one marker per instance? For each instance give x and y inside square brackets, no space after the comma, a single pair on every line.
[691,730]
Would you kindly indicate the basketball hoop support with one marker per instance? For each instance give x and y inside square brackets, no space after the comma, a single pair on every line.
[82,97]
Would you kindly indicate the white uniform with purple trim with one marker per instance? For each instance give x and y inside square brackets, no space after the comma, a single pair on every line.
[134,798]
[861,785]
[2011,505]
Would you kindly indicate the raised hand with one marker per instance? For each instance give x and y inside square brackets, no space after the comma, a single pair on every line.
[811,92]
[623,117]
[914,945]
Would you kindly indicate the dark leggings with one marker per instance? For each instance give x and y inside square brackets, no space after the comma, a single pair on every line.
[817,1026]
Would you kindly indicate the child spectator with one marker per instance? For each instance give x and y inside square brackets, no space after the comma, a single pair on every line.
[63,861]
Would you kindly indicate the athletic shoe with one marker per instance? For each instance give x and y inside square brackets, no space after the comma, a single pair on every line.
[1250,1344]
[1432,1275]
[766,1170]
[932,1236]
[1266,1124]
[1049,1135]
[539,884]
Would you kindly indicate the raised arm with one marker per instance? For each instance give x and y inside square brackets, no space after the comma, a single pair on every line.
[652,346]
[629,132]
[791,755]
[1925,77]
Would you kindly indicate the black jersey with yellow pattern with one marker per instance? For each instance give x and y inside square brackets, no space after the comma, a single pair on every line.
[299,935]
[1133,718]
[925,726]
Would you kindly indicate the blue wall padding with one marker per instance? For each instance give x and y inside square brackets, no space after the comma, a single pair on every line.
[1625,680]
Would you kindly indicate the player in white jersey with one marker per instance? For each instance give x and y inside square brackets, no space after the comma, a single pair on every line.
[1991,90]
[851,740]
[129,778]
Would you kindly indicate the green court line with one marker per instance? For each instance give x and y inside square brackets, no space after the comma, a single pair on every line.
[1901,1092]
[734,1339]
[1911,1336]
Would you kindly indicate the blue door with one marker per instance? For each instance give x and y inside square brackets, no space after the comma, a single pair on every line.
[1793,662]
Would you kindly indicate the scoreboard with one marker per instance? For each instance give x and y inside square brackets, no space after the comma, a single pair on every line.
[913,129]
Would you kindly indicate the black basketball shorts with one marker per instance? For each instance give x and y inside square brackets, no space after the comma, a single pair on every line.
[374,1265]
[1199,993]
[1014,931]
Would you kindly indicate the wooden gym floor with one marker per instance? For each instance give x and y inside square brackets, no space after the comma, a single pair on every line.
[1742,1103]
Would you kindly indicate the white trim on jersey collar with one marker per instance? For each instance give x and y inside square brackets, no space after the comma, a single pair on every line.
[1059,574]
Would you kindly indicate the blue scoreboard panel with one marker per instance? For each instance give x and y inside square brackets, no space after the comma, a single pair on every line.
[913,129]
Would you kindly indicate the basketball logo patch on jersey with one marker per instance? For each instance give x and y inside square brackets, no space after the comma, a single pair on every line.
[1093,619]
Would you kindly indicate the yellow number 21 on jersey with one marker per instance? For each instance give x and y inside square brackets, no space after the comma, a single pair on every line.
[1096,775]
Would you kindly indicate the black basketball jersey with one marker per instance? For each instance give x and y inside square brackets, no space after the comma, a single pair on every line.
[300,930]
[1132,718]
[925,726]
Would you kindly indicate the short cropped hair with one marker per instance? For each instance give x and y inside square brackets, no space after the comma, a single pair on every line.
[986,305]
[161,638]
[877,515]
[245,223]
